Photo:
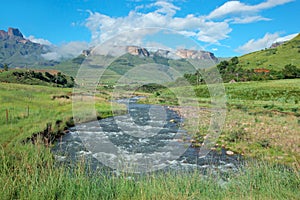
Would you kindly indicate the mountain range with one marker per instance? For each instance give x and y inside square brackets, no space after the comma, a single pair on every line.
[144,52]
[17,51]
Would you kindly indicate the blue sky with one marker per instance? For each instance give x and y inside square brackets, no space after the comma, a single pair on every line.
[226,28]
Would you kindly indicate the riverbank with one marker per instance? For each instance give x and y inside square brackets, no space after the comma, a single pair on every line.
[35,177]
[262,118]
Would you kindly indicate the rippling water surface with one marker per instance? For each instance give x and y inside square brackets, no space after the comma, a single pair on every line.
[148,136]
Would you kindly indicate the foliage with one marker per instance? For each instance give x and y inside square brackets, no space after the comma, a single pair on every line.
[291,71]
[231,70]
[5,67]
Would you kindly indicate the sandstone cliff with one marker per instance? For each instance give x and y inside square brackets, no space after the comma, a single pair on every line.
[194,54]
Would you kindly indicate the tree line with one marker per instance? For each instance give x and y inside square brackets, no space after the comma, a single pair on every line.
[231,71]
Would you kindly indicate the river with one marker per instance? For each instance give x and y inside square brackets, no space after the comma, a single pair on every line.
[141,135]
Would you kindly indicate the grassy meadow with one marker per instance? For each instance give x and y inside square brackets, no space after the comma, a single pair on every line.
[263,121]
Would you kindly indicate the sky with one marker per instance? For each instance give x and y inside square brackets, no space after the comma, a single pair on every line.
[226,28]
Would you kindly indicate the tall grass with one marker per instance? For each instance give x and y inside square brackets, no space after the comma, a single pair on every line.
[31,174]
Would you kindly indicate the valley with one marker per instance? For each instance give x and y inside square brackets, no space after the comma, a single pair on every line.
[252,151]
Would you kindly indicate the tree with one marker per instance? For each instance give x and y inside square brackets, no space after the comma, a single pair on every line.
[61,79]
[234,60]
[222,65]
[291,71]
[5,66]
[48,75]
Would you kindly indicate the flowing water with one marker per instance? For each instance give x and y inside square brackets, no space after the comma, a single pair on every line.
[146,130]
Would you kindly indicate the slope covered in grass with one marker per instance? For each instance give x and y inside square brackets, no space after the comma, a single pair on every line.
[34,77]
[274,58]
[27,109]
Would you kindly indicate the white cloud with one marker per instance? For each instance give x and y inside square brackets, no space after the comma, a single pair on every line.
[213,32]
[261,43]
[68,50]
[104,27]
[265,42]
[271,4]
[38,40]
[165,8]
[51,56]
[249,19]
[210,29]
[237,8]
[230,7]
[286,38]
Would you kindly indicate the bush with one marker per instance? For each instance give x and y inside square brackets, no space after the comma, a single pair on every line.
[291,71]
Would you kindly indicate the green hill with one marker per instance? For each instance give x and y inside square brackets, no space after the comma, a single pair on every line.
[273,58]
[36,77]
[280,62]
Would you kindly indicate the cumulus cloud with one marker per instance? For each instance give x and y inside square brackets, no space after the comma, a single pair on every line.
[265,42]
[63,51]
[104,27]
[165,8]
[39,40]
[261,43]
[237,8]
[286,38]
[210,29]
[68,50]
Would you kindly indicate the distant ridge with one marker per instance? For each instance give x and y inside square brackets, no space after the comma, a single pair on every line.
[144,52]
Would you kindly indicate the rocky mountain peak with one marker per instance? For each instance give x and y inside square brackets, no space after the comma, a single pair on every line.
[137,51]
[3,34]
[18,51]
[14,32]
[195,54]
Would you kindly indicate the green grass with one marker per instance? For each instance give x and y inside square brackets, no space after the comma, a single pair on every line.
[29,172]
[67,67]
[275,58]
[281,95]
[30,108]
[262,119]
